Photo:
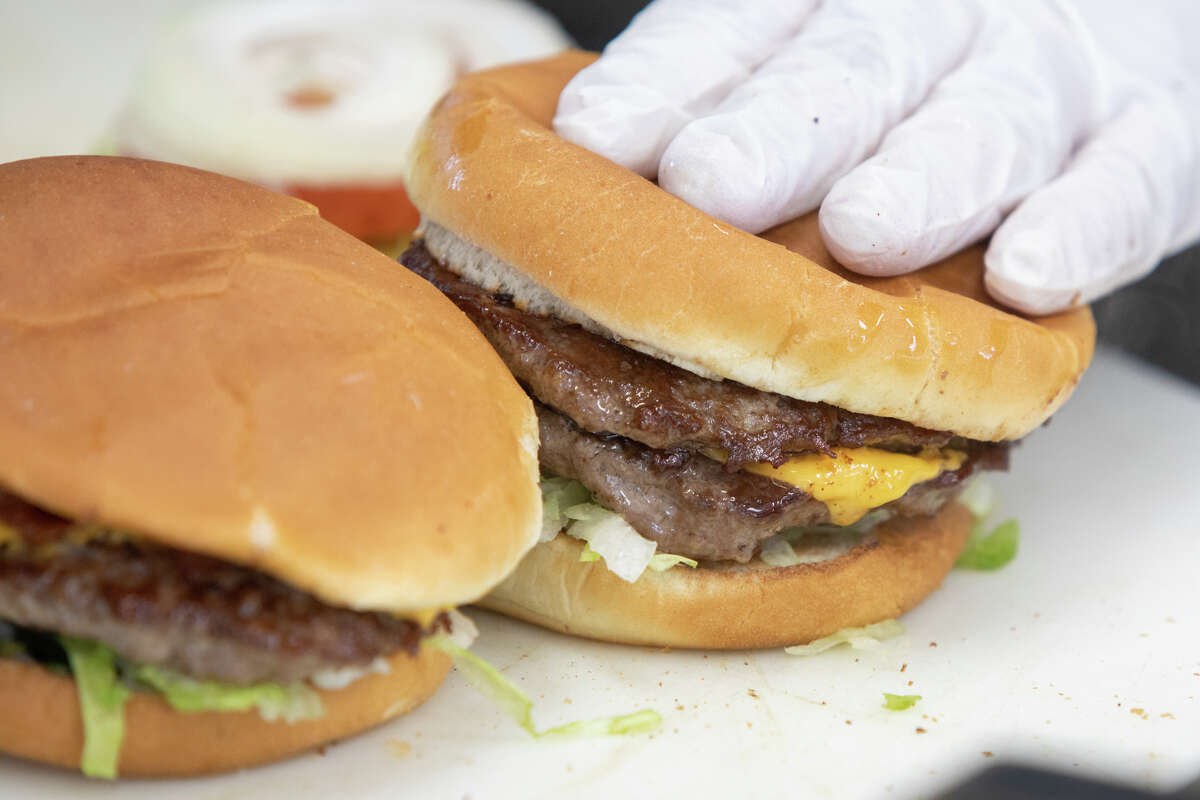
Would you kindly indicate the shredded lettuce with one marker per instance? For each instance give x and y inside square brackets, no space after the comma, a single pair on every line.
[864,638]
[559,494]
[899,702]
[463,631]
[778,552]
[626,552]
[661,562]
[979,497]
[274,701]
[568,507]
[9,646]
[991,550]
[492,684]
[102,704]
[334,678]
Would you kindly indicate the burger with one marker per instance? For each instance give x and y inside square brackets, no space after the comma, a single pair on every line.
[247,469]
[742,444]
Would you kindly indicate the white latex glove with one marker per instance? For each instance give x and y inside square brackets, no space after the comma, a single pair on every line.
[922,125]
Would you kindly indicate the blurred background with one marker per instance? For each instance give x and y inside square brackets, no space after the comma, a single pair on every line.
[1157,319]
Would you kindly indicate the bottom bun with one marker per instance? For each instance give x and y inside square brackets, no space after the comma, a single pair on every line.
[734,606]
[42,720]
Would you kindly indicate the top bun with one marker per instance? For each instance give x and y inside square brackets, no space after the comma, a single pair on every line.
[210,365]
[611,250]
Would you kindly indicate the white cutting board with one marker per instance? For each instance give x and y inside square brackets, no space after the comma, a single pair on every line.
[1082,656]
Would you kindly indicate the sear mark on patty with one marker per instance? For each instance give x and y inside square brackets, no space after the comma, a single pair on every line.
[606,387]
[693,507]
[201,616]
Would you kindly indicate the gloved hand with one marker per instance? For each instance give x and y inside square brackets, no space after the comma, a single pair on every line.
[919,126]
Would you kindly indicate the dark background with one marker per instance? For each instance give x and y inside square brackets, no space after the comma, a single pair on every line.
[1157,318]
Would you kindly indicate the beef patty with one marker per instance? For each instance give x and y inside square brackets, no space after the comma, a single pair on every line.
[606,387]
[692,507]
[201,616]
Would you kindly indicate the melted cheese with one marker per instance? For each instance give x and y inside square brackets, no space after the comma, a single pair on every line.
[425,616]
[8,537]
[855,480]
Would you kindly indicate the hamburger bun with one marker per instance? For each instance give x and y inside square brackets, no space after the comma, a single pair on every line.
[733,606]
[209,365]
[512,204]
[516,209]
[42,721]
[206,365]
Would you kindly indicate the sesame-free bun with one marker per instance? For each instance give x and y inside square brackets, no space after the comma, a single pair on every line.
[43,723]
[733,606]
[509,203]
[207,364]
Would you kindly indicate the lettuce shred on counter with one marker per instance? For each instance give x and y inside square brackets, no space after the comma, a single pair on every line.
[864,638]
[492,684]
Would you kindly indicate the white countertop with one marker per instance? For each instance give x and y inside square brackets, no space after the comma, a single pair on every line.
[1082,656]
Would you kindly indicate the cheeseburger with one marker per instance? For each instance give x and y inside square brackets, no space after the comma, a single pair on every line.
[246,468]
[742,444]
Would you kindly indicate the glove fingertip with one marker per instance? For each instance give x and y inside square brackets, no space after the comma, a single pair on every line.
[1018,267]
[863,239]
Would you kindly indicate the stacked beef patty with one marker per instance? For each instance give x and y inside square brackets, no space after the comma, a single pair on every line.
[157,605]
[633,430]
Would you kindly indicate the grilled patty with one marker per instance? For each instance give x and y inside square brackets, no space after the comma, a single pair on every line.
[605,387]
[692,507]
[201,616]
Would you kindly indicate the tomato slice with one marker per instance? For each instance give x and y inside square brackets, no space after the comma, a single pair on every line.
[372,213]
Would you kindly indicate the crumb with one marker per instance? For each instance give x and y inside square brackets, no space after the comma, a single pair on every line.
[903,667]
[749,724]
[1139,712]
[856,661]
[921,730]
[910,683]
[933,644]
[399,748]
[321,750]
[988,754]
[568,700]
[680,708]
[752,693]
[848,722]
[1168,715]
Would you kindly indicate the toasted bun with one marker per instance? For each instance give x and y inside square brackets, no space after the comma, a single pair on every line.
[42,721]
[210,365]
[731,605]
[614,251]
